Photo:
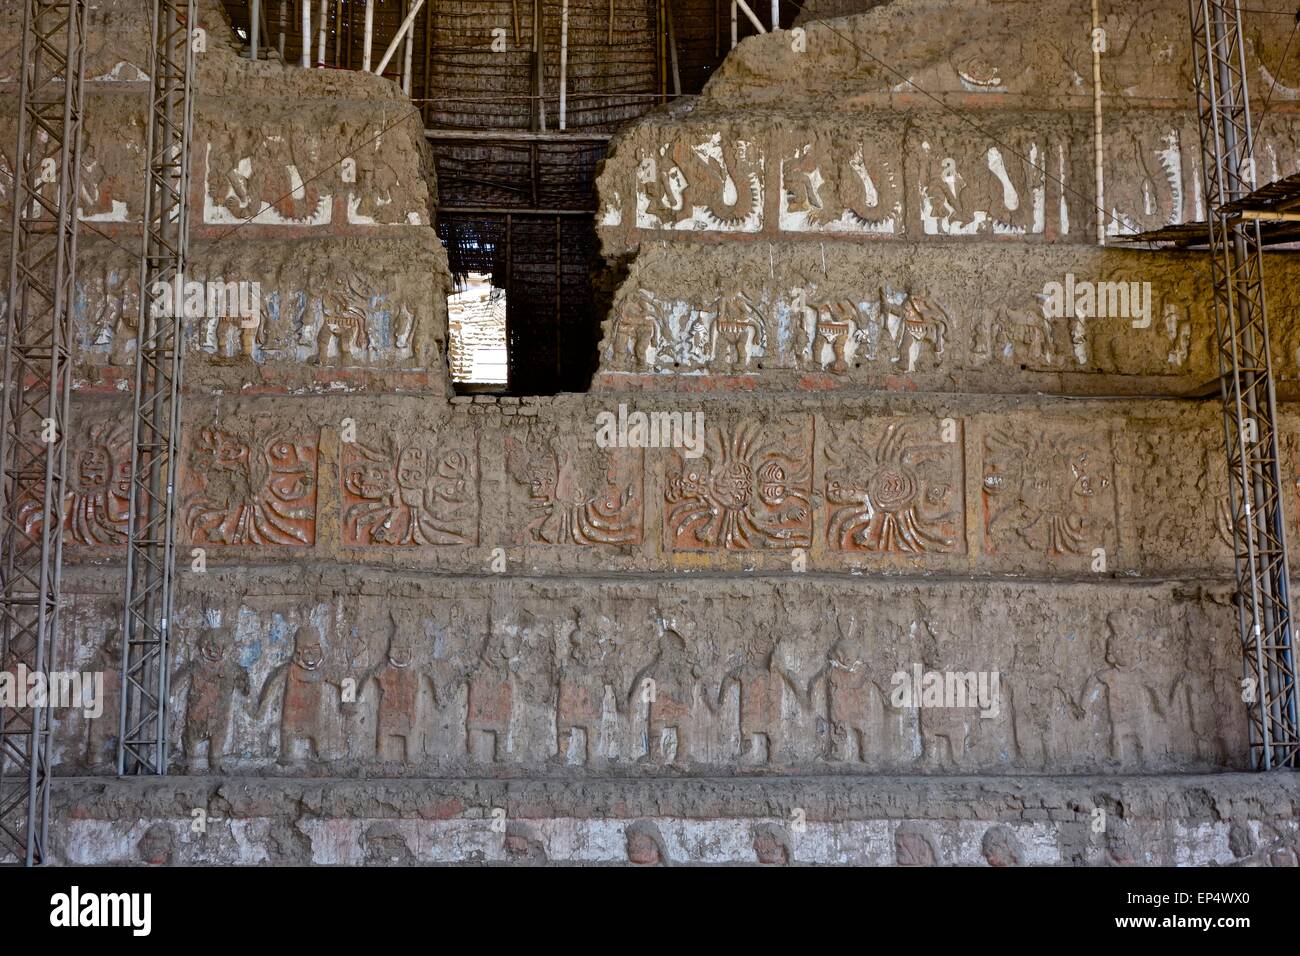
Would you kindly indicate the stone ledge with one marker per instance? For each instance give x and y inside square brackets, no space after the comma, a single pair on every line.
[1228,819]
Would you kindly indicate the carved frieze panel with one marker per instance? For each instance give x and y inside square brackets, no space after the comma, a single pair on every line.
[829,186]
[110,187]
[106,310]
[900,330]
[701,180]
[894,486]
[307,313]
[1179,501]
[270,175]
[409,490]
[241,308]
[564,490]
[729,332]
[248,484]
[110,179]
[751,489]
[97,498]
[967,185]
[782,678]
[1047,491]
[1133,319]
[1150,176]
[834,309]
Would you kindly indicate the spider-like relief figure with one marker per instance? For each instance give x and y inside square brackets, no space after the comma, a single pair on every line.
[747,491]
[904,502]
[1042,488]
[408,496]
[96,505]
[252,492]
[576,498]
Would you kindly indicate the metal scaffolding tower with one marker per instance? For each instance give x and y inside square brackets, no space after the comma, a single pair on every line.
[34,414]
[1245,364]
[150,563]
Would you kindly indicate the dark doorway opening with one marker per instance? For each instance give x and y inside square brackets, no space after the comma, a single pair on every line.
[520,207]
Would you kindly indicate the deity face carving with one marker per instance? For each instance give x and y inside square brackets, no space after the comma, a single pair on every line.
[371,480]
[122,478]
[212,644]
[93,468]
[733,483]
[399,651]
[307,652]
[774,488]
[893,489]
[227,454]
[412,469]
[292,476]
[541,481]
[412,475]
[687,484]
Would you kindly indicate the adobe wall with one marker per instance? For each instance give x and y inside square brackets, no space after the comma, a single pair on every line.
[907,464]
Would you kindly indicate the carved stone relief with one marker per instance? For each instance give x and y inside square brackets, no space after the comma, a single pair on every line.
[701,182]
[1046,492]
[248,486]
[564,490]
[268,176]
[96,502]
[966,186]
[401,491]
[894,488]
[830,187]
[1088,681]
[752,489]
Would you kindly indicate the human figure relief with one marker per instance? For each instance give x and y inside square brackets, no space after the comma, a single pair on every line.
[344,324]
[1015,334]
[589,709]
[236,338]
[101,733]
[737,331]
[804,183]
[458,635]
[120,318]
[637,333]
[307,700]
[865,728]
[229,179]
[525,649]
[213,678]
[402,717]
[667,691]
[919,321]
